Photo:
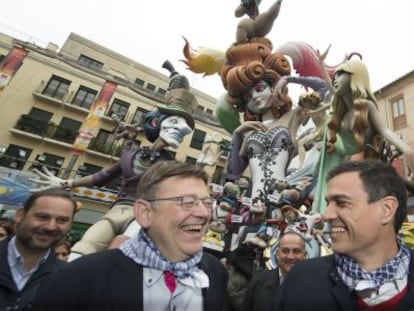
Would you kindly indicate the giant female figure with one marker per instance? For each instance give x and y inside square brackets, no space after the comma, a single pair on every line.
[355,127]
[265,141]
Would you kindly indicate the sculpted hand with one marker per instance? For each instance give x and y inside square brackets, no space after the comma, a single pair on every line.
[248,126]
[48,180]
[409,157]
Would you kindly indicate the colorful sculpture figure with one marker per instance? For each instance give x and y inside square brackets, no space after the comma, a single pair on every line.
[354,126]
[165,127]
[256,25]
[210,153]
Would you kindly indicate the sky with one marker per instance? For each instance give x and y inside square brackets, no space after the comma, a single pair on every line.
[151,31]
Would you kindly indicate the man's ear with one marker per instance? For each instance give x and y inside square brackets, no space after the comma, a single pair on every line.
[388,206]
[18,217]
[143,213]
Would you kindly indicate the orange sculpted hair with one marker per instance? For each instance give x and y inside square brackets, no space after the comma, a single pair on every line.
[247,64]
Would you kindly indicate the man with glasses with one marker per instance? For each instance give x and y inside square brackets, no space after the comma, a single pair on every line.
[264,286]
[163,268]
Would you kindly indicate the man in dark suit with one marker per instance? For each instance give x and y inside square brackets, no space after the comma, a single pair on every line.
[163,268]
[265,284]
[371,268]
[28,257]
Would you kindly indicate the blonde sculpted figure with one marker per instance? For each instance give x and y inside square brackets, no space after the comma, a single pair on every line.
[355,124]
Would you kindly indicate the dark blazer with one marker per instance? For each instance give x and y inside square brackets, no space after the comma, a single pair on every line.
[10,297]
[314,284]
[109,280]
[260,293]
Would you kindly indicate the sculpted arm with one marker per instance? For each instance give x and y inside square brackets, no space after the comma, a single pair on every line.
[236,163]
[389,135]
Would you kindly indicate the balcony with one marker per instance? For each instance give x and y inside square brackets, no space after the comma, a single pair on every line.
[113,149]
[42,128]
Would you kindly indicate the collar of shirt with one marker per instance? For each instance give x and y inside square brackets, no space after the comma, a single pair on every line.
[16,263]
[384,293]
[199,279]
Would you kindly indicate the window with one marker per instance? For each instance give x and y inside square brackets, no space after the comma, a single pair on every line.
[40,114]
[191,160]
[67,130]
[199,110]
[398,113]
[87,169]
[36,121]
[197,140]
[102,142]
[52,162]
[139,82]
[57,87]
[84,97]
[209,112]
[218,172]
[120,108]
[90,62]
[161,92]
[224,147]
[138,115]
[15,157]
[151,87]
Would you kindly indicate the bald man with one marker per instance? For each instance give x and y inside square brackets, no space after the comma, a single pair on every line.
[265,284]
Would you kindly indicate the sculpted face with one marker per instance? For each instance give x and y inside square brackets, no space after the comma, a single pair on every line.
[173,130]
[258,98]
[341,82]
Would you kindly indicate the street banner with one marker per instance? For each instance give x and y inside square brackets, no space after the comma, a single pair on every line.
[10,64]
[90,125]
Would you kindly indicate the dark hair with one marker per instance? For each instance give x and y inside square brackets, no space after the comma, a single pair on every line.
[66,243]
[379,179]
[162,170]
[7,226]
[55,192]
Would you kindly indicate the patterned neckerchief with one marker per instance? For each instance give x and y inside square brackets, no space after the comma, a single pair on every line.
[144,252]
[352,274]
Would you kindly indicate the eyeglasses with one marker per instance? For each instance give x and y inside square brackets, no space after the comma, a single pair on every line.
[188,202]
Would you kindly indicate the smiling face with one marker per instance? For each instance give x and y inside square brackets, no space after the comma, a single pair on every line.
[173,130]
[44,224]
[291,250]
[356,225]
[258,98]
[176,232]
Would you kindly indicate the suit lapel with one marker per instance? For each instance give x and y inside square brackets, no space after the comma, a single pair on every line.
[126,275]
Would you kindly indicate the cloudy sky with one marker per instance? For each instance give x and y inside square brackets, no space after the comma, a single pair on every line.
[151,31]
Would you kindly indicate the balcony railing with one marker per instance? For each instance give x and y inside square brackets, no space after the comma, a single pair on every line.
[42,128]
[111,149]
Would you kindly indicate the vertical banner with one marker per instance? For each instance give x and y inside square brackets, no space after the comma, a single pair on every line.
[10,64]
[90,126]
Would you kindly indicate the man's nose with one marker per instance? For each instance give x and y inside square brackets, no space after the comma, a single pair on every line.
[330,212]
[51,224]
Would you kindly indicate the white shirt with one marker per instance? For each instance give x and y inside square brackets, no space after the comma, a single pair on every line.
[186,297]
[16,264]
